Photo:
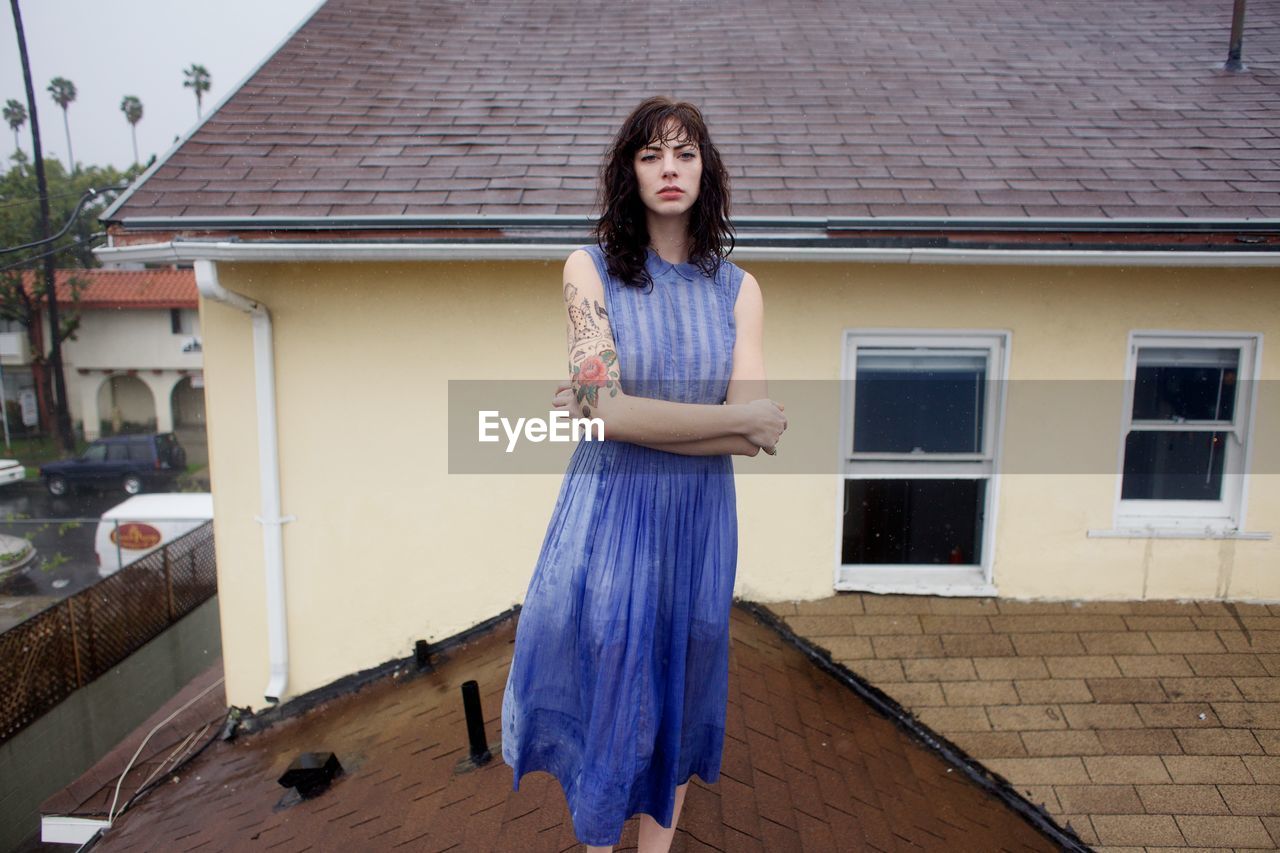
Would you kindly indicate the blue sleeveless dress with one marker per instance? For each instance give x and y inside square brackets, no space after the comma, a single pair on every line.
[619,678]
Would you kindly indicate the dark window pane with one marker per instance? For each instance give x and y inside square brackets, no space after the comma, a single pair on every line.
[1185,384]
[139,451]
[117,453]
[96,453]
[924,403]
[913,521]
[1173,466]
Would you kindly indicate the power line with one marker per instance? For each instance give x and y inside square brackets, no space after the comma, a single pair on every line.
[88,196]
[94,236]
[36,199]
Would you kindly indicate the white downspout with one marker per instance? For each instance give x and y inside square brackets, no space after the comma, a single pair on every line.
[268,471]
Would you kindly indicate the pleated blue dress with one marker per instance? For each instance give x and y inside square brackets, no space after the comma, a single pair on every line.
[619,677]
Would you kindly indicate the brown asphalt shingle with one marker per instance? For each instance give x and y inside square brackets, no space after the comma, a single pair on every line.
[807,766]
[1145,724]
[828,108]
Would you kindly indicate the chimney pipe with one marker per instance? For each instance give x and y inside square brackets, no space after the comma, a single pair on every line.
[1233,62]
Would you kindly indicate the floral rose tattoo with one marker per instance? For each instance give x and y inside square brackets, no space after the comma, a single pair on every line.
[592,358]
[592,375]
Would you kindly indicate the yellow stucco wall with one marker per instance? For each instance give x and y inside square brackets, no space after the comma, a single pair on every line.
[388,547]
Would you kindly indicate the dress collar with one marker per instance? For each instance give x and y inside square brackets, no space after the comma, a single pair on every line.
[658,266]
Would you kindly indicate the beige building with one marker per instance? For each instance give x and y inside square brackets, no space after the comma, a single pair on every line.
[135,359]
[1031,374]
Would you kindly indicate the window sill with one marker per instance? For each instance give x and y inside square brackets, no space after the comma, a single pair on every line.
[914,580]
[1176,533]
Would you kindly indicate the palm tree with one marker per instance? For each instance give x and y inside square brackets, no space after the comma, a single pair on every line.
[16,114]
[198,80]
[132,109]
[64,93]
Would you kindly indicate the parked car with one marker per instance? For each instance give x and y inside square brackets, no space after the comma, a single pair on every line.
[11,471]
[131,530]
[133,463]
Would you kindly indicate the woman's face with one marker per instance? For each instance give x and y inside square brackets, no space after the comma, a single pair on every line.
[669,174]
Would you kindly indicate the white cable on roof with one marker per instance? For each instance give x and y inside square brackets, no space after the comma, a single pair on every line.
[158,726]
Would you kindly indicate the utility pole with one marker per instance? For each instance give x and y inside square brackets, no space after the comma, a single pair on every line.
[62,415]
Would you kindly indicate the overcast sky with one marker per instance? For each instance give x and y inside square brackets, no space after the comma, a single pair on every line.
[133,47]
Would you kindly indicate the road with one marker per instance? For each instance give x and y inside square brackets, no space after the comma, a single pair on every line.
[49,577]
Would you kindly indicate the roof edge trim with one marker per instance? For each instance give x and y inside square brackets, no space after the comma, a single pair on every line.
[187,251]
[565,221]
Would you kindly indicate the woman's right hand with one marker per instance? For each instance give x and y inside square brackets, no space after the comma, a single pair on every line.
[765,423]
[566,399]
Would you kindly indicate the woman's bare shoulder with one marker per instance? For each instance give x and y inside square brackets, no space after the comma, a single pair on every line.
[749,300]
[581,264]
[581,276]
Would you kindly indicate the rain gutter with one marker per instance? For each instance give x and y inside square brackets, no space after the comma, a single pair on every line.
[185,250]
[819,224]
[210,288]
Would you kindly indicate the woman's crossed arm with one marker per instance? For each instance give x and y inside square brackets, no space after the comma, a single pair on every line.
[747,421]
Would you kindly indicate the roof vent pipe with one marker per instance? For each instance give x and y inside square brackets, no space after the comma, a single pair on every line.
[1234,62]
[264,377]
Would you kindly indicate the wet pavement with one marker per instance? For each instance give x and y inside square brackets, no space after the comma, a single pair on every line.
[65,561]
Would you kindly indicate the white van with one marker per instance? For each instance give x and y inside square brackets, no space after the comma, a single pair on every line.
[145,523]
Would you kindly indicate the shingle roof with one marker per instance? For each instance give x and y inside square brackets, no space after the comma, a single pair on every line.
[1147,722]
[807,766]
[110,288]
[829,108]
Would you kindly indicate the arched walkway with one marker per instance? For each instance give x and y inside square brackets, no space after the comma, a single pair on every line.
[124,404]
[126,401]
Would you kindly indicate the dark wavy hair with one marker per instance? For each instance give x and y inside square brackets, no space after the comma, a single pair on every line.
[621,230]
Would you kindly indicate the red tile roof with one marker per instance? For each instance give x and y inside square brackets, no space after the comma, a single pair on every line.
[110,288]
[828,108]
[807,766]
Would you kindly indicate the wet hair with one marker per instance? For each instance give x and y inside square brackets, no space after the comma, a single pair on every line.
[621,231]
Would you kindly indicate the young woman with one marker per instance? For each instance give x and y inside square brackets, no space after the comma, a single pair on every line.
[619,678]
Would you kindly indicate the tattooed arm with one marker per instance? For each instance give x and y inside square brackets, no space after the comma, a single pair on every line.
[594,379]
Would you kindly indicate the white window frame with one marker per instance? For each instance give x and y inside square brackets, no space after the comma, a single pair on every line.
[1226,515]
[924,579]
